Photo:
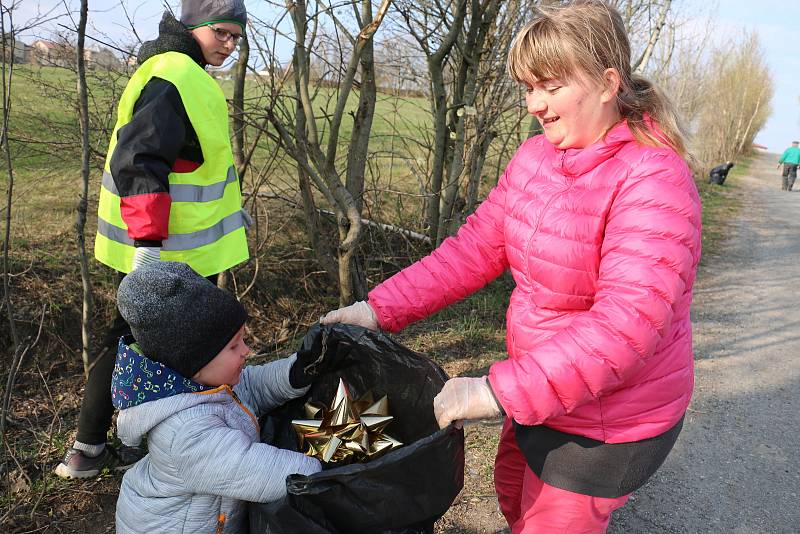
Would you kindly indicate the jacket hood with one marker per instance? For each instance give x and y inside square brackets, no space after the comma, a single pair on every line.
[137,379]
[172,37]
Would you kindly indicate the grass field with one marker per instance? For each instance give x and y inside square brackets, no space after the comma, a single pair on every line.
[286,294]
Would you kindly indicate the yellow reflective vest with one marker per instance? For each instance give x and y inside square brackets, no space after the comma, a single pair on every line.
[206,223]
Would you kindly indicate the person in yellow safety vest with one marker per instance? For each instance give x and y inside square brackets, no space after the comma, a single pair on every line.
[170,191]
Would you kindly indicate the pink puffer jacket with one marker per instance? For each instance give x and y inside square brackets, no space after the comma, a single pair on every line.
[603,244]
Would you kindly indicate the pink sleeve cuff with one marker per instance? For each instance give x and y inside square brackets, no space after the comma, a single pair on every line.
[384,321]
[526,397]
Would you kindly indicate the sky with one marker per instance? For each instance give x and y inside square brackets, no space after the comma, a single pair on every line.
[775,21]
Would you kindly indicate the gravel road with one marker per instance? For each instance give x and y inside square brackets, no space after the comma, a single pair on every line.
[736,466]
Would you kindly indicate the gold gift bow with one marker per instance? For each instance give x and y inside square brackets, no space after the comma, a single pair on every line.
[347,430]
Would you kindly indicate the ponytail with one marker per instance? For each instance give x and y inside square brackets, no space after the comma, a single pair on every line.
[651,115]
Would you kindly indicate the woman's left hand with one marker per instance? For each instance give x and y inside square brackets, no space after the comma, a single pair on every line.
[465,398]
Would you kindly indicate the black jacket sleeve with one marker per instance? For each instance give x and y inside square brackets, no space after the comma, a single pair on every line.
[149,144]
[145,153]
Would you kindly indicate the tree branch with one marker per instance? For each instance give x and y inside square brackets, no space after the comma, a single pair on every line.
[639,66]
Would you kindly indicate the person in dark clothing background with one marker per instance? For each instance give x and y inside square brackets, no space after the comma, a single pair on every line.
[718,174]
[170,191]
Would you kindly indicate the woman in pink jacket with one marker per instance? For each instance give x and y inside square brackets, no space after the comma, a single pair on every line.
[599,221]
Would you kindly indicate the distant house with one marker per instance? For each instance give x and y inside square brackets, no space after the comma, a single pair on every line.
[50,54]
[101,57]
[278,73]
[16,49]
[62,54]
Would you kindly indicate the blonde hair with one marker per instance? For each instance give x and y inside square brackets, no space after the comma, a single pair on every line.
[589,37]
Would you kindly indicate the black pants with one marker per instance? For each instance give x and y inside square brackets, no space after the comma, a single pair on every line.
[789,176]
[717,178]
[96,408]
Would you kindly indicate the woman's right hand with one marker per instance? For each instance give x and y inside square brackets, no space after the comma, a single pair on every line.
[359,313]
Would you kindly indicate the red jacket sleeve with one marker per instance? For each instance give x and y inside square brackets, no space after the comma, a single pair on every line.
[457,268]
[648,259]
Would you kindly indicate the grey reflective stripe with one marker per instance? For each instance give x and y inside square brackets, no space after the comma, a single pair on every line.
[201,193]
[185,192]
[177,242]
[114,233]
[108,183]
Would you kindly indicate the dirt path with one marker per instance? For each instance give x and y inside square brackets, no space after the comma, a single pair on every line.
[736,466]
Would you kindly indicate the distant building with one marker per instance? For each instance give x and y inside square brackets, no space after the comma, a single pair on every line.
[50,54]
[16,49]
[101,57]
[277,72]
[62,54]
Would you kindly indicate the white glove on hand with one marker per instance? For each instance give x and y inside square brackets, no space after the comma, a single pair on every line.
[145,256]
[465,398]
[359,313]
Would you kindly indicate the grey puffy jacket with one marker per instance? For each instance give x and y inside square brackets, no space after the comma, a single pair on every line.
[205,458]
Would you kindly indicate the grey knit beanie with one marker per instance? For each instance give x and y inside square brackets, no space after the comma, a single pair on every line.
[196,13]
[178,317]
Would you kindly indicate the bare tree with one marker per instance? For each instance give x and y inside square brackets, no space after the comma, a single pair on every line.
[80,223]
[465,43]
[237,117]
[7,73]
[436,28]
[737,102]
[7,70]
[296,120]
[640,64]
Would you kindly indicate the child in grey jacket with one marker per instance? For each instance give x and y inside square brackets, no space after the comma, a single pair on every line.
[182,384]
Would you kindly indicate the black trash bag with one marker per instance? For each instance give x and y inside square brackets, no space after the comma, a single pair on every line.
[404,491]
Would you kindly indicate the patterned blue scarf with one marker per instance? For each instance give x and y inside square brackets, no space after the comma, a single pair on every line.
[138,379]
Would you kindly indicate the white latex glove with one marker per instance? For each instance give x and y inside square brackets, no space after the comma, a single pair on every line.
[359,313]
[465,398]
[145,256]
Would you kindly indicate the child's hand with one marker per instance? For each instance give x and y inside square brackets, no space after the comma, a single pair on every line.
[324,350]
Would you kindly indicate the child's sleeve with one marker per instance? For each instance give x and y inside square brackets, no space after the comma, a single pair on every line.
[265,387]
[212,458]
